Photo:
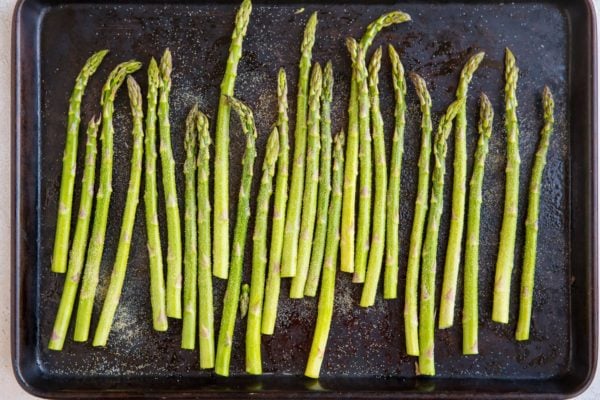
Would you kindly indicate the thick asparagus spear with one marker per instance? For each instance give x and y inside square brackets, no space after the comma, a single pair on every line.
[111,301]
[326,297]
[309,201]
[457,222]
[67,299]
[96,245]
[506,250]
[232,294]
[470,318]
[289,258]
[318,246]
[531,224]
[279,207]
[221,196]
[67,182]
[259,257]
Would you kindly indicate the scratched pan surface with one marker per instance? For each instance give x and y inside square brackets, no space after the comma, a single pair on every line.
[366,355]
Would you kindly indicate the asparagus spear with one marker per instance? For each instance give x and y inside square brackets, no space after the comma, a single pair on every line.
[378,235]
[190,261]
[259,257]
[67,182]
[96,245]
[221,197]
[326,297]
[289,257]
[309,201]
[318,247]
[470,318]
[392,249]
[411,319]
[111,301]
[506,251]
[457,222]
[67,299]
[279,207]
[531,224]
[232,294]
[429,252]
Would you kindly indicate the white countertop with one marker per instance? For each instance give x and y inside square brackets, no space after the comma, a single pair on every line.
[9,388]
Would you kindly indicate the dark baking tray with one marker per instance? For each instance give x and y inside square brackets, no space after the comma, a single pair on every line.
[554,43]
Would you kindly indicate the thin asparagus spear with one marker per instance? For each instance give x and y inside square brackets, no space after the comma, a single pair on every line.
[76,258]
[96,244]
[67,182]
[232,294]
[506,250]
[318,246]
[383,21]
[326,297]
[531,224]
[457,222]
[221,197]
[309,201]
[279,208]
[470,318]
[111,301]
[259,257]
[190,261]
[429,252]
[289,258]
[392,247]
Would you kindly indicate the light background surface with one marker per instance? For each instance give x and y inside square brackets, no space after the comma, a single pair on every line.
[9,388]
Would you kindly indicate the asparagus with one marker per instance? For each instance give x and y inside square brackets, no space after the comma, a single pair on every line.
[448,296]
[309,201]
[411,319]
[259,257]
[190,261]
[232,294]
[506,251]
[429,252]
[326,297]
[244,300]
[67,182]
[221,197]
[531,224]
[96,245]
[392,249]
[470,318]
[111,301]
[67,299]
[378,235]
[289,258]
[318,247]
[279,207]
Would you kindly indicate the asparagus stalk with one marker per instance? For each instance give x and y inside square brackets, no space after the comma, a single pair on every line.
[221,197]
[67,182]
[111,301]
[506,251]
[318,246]
[232,294]
[457,222]
[392,247]
[470,318]
[429,252]
[259,257]
[279,207]
[531,224]
[289,257]
[309,201]
[67,299]
[326,297]
[96,245]
[378,235]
